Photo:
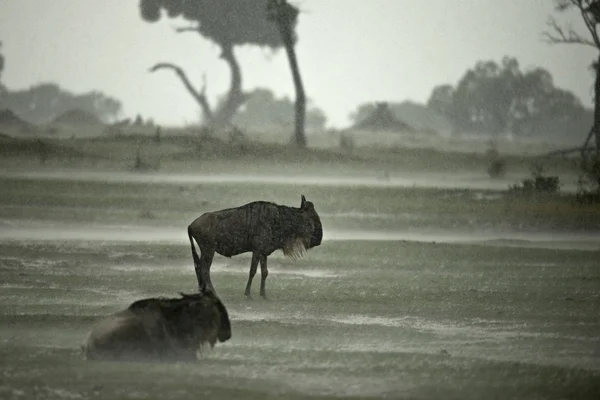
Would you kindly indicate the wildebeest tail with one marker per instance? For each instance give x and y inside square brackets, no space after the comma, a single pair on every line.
[194,254]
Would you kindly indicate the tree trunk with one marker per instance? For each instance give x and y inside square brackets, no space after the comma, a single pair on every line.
[235,97]
[299,134]
[596,127]
[595,130]
[285,16]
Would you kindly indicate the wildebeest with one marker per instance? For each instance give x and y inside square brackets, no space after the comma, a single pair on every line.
[160,329]
[259,227]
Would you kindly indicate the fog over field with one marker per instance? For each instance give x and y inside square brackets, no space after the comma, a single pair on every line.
[436,173]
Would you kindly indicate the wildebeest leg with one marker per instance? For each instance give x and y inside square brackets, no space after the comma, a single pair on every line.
[253,267]
[203,269]
[264,272]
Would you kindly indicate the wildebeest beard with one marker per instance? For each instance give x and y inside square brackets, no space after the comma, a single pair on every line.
[259,227]
[161,328]
[295,233]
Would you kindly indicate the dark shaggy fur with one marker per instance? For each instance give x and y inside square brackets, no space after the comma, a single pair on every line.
[259,227]
[160,329]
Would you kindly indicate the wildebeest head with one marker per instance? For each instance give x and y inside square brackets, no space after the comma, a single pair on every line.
[205,299]
[317,229]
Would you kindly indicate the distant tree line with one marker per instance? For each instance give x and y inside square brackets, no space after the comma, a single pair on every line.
[42,103]
[500,98]
[418,117]
[262,111]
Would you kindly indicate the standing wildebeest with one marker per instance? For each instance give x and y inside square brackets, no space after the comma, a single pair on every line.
[260,227]
[160,329]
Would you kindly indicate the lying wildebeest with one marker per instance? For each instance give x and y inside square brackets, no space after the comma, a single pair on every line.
[160,329]
[260,227]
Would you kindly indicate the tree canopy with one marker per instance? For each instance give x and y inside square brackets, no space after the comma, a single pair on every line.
[225,22]
[501,98]
[43,102]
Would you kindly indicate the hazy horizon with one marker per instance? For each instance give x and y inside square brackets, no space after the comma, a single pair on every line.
[350,52]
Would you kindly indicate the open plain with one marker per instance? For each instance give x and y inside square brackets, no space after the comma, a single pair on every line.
[431,282]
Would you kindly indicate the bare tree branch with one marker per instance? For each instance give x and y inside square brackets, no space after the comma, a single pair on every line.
[187,29]
[200,97]
[587,18]
[564,152]
[590,13]
[559,35]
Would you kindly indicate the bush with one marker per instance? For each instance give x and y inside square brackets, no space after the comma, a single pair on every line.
[497,168]
[142,165]
[146,214]
[347,142]
[496,164]
[539,183]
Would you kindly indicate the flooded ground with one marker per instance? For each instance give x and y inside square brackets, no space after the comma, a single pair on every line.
[391,320]
[45,231]
[382,308]
[451,180]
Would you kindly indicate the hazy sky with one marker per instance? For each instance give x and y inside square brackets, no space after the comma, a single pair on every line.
[350,51]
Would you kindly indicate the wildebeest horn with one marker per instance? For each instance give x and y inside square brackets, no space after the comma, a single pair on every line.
[303,201]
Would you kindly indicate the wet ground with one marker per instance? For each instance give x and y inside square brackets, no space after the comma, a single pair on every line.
[449,180]
[375,311]
[50,231]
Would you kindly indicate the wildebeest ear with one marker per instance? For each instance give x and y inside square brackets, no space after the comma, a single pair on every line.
[303,201]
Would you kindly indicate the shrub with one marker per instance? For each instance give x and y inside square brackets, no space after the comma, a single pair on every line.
[142,165]
[346,142]
[496,164]
[497,168]
[539,183]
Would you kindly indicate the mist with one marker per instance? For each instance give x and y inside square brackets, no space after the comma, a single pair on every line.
[333,199]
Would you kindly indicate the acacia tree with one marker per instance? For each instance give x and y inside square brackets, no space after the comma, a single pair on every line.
[590,13]
[227,23]
[286,16]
